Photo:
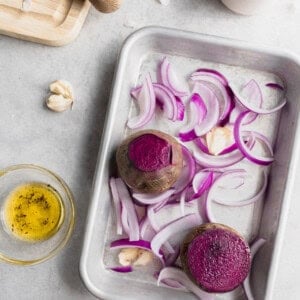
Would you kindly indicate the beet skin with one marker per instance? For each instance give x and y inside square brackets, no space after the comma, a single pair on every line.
[216,257]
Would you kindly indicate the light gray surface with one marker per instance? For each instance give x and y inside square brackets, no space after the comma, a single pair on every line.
[68,143]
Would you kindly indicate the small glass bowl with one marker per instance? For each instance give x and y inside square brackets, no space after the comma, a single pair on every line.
[17,251]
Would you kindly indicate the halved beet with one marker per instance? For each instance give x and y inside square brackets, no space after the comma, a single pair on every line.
[216,257]
[149,161]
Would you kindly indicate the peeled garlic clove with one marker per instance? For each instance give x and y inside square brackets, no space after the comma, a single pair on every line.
[62,87]
[58,103]
[127,256]
[106,6]
[218,139]
[144,258]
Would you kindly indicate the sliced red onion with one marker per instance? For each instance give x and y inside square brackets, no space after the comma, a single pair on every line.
[168,101]
[172,257]
[219,161]
[123,269]
[243,202]
[262,138]
[246,284]
[146,230]
[182,201]
[179,276]
[126,243]
[117,204]
[275,86]
[187,172]
[214,73]
[180,109]
[211,118]
[187,222]
[202,182]
[169,78]
[237,131]
[220,88]
[127,205]
[251,95]
[146,102]
[149,199]
[172,105]
[198,112]
[201,144]
[124,219]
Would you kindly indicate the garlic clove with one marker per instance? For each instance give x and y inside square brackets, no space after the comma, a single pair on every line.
[218,139]
[144,258]
[107,6]
[58,103]
[127,256]
[62,87]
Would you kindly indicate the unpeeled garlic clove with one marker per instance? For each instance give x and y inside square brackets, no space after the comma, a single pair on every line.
[62,87]
[144,258]
[127,256]
[58,103]
[106,6]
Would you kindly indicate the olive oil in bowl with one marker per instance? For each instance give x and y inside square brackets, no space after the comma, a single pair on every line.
[33,211]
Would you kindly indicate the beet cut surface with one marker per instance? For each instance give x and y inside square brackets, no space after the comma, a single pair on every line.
[149,153]
[216,258]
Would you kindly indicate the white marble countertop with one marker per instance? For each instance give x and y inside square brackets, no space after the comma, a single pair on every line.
[68,143]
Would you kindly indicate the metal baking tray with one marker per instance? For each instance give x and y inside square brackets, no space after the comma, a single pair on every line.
[240,60]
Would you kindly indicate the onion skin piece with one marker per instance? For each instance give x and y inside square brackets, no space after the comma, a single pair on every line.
[149,182]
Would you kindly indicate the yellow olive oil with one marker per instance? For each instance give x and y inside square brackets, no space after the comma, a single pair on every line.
[33,211]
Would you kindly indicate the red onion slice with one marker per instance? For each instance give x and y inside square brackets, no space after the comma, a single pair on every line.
[169,78]
[198,112]
[251,95]
[127,205]
[253,250]
[243,202]
[222,92]
[179,276]
[146,102]
[187,172]
[146,230]
[202,182]
[187,222]
[126,269]
[211,118]
[180,109]
[149,199]
[237,131]
[117,204]
[126,243]
[213,73]
[240,202]
[274,85]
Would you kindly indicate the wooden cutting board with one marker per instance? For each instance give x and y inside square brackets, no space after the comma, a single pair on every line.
[50,22]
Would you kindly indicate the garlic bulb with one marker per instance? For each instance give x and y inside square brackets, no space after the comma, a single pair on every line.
[59,103]
[106,6]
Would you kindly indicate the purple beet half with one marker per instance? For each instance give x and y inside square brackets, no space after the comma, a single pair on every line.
[216,257]
[149,161]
